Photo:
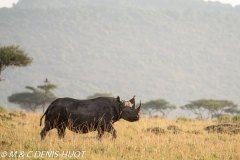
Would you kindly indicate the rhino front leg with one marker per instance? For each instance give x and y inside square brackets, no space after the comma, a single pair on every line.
[61,131]
[100,132]
[112,130]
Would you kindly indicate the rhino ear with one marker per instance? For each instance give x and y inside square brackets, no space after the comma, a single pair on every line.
[132,100]
[119,99]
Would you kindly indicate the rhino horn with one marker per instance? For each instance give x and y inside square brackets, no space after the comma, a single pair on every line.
[139,108]
[133,101]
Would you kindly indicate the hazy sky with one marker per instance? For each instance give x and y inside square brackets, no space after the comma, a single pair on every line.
[8,3]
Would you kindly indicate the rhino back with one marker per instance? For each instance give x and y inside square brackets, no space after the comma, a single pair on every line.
[83,110]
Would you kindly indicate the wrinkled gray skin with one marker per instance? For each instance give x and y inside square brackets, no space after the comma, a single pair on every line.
[83,116]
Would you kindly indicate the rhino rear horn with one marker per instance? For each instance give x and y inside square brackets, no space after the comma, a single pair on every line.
[133,101]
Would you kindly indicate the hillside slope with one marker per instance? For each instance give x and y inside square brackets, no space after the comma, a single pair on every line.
[176,54]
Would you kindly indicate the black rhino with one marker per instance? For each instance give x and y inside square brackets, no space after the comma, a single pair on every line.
[83,116]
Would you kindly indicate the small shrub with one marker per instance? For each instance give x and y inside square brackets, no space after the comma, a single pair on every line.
[236,119]
[155,116]
[2,110]
[197,132]
[4,117]
[184,119]
[3,143]
[223,128]
[12,115]
[225,119]
[22,114]
[174,129]
[177,131]
[156,130]
[236,131]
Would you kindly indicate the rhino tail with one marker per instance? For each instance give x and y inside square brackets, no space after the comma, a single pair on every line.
[43,116]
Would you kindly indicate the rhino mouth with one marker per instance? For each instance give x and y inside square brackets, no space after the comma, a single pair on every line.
[135,119]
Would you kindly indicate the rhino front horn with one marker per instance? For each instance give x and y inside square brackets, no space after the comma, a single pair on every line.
[139,108]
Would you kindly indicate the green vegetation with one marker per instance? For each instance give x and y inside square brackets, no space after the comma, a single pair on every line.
[13,56]
[211,108]
[2,109]
[159,105]
[38,97]
[47,95]
[229,119]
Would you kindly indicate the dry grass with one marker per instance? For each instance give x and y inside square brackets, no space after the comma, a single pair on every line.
[135,140]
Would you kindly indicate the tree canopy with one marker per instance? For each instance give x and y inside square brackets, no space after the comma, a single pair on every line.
[46,88]
[158,105]
[13,56]
[32,100]
[210,108]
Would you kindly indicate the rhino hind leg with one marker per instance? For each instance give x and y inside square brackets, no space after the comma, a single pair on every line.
[114,133]
[44,131]
[61,131]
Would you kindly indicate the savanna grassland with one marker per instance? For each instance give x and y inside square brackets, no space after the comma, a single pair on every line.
[153,138]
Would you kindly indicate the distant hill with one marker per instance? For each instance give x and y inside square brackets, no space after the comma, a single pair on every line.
[143,4]
[178,50]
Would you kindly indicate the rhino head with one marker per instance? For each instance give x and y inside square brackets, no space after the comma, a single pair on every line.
[130,103]
[128,110]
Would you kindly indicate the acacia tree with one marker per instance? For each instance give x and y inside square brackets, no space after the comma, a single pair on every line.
[159,105]
[47,87]
[233,111]
[31,100]
[218,107]
[13,56]
[210,108]
[196,107]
